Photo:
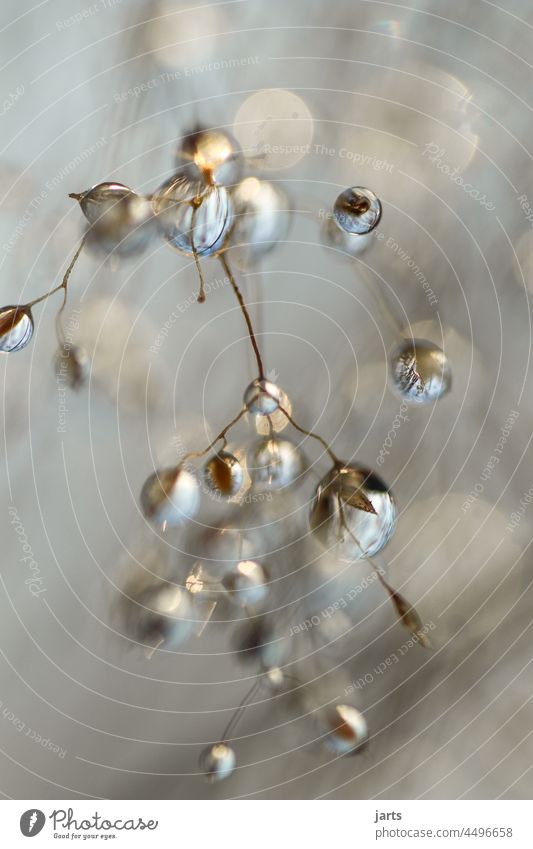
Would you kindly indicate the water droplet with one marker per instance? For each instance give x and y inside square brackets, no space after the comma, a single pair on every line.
[344,729]
[262,217]
[262,397]
[247,583]
[336,521]
[420,371]
[212,156]
[16,328]
[160,616]
[223,474]
[357,210]
[100,198]
[256,641]
[274,463]
[170,496]
[218,762]
[193,217]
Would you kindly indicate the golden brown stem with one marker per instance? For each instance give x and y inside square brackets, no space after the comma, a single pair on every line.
[310,433]
[221,435]
[63,285]
[245,313]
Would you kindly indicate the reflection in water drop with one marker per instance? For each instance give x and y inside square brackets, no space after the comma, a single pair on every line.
[357,532]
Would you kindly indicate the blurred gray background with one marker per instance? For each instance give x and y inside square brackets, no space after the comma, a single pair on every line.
[430,105]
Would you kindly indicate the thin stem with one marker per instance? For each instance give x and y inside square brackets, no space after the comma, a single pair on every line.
[239,711]
[246,314]
[201,293]
[64,282]
[310,433]
[221,435]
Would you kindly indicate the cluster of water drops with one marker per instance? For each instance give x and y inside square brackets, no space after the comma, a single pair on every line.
[208,208]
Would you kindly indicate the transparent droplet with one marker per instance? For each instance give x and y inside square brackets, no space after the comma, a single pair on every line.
[100,198]
[256,641]
[262,397]
[261,219]
[347,243]
[217,762]
[357,210]
[354,530]
[125,227]
[193,217]
[223,474]
[210,155]
[420,371]
[170,496]
[343,728]
[161,616]
[274,463]
[247,583]
[16,328]
[72,365]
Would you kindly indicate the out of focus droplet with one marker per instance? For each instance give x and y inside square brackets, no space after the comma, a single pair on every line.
[348,243]
[16,328]
[212,156]
[274,127]
[161,616]
[274,463]
[261,219]
[357,532]
[344,729]
[217,762]
[170,496]
[256,641]
[122,225]
[357,211]
[247,583]
[420,371]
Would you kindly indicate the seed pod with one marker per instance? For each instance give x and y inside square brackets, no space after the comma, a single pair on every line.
[16,328]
